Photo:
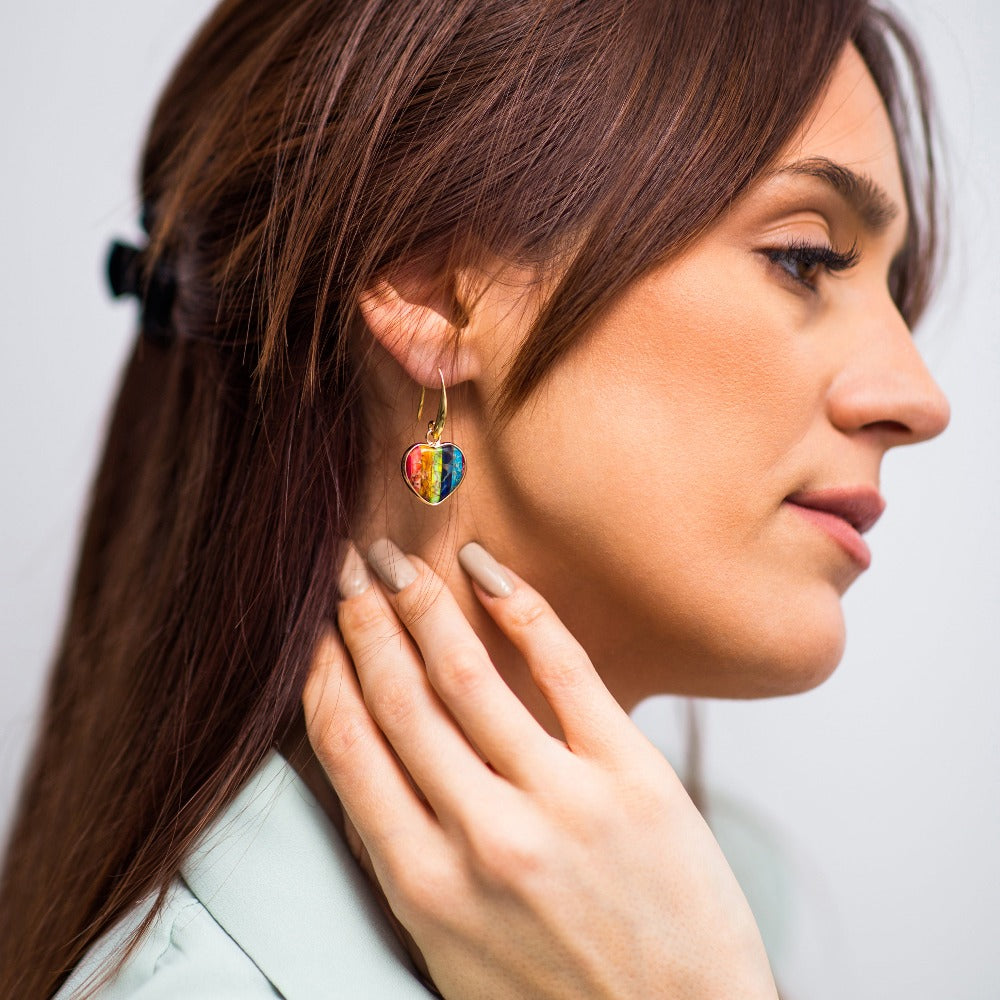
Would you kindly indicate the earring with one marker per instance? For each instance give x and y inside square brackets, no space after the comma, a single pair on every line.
[434,470]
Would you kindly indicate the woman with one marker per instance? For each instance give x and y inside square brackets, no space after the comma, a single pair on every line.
[665,274]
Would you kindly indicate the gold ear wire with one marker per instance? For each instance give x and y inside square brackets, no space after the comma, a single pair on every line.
[433,471]
[435,427]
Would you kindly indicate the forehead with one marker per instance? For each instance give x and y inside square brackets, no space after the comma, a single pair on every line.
[850,125]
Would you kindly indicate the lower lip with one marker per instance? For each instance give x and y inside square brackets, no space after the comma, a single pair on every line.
[840,531]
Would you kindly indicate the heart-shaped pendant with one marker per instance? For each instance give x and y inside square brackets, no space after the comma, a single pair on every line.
[433,471]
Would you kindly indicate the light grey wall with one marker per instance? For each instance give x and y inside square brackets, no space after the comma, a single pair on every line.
[864,817]
[77,84]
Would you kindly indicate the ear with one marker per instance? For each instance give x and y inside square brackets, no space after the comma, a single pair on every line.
[418,321]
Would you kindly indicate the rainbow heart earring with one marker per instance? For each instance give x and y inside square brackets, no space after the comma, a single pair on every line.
[434,470]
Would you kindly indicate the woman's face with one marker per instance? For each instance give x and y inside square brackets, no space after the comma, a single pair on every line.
[644,488]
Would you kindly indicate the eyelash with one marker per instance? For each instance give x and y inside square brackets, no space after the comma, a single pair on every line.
[802,254]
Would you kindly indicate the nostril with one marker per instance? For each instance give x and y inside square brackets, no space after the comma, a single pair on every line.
[893,426]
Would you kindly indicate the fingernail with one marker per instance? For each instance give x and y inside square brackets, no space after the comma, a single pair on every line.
[391,565]
[354,578]
[485,570]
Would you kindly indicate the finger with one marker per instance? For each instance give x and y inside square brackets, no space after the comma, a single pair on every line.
[592,721]
[372,786]
[444,766]
[460,670]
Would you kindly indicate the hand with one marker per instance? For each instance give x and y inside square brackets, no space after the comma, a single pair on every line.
[522,865]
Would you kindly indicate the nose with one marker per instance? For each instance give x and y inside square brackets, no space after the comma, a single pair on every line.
[885,388]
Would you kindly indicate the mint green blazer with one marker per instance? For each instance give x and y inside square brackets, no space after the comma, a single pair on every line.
[269,904]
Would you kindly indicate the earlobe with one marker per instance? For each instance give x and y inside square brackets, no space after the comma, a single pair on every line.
[415,326]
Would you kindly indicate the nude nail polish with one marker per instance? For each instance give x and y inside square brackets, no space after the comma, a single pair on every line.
[354,578]
[485,570]
[391,564]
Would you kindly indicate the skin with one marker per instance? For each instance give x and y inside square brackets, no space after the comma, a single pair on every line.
[732,377]
[641,489]
[515,864]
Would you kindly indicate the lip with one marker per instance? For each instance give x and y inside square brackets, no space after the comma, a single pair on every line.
[845,513]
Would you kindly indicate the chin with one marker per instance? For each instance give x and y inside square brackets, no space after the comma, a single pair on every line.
[773,654]
[757,670]
[805,673]
[797,653]
[777,641]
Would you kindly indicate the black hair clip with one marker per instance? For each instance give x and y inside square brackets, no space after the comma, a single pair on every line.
[127,276]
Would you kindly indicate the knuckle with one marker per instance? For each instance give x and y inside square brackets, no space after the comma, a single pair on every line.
[360,616]
[339,737]
[528,610]
[392,704]
[561,673]
[416,599]
[508,855]
[376,647]
[412,600]
[327,652]
[421,888]
[458,669]
[324,698]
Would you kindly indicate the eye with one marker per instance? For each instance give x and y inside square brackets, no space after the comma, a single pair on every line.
[804,262]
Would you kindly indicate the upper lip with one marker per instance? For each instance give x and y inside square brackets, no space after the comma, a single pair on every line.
[860,506]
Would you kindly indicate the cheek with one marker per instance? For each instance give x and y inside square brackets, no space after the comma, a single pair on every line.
[711,395]
[677,416]
[653,462]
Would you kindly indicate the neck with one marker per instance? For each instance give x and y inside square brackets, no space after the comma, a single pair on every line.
[477,511]
[435,537]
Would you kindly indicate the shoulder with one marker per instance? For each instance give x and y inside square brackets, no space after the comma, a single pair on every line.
[269,903]
[184,953]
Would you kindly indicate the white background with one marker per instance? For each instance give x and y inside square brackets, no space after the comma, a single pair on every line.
[863,817]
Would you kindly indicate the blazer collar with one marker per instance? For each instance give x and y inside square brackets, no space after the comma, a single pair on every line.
[275,874]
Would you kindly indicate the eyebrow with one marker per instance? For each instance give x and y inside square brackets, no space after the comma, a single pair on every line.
[870,201]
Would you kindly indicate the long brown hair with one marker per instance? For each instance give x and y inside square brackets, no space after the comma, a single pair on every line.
[302,148]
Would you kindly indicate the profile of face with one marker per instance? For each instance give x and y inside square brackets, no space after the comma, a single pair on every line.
[643,488]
